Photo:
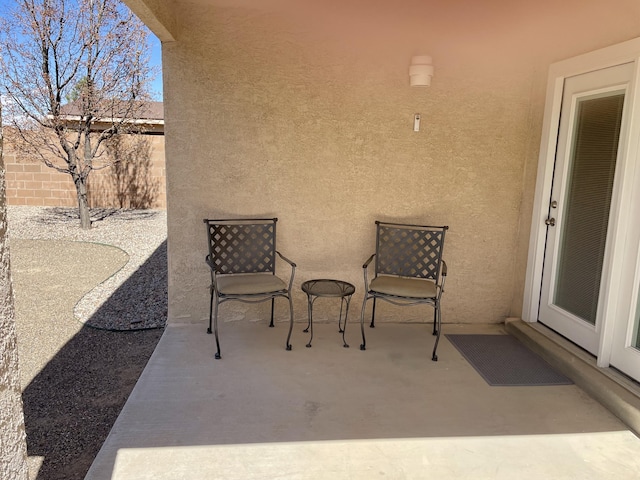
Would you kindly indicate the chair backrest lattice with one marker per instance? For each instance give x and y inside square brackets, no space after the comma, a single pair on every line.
[242,246]
[409,250]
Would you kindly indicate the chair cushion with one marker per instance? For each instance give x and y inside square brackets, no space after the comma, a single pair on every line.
[403,286]
[249,284]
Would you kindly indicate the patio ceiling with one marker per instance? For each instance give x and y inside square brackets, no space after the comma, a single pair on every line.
[486,31]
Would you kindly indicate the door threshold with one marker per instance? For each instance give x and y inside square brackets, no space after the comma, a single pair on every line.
[615,391]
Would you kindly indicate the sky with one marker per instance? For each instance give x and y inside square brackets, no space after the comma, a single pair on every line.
[156,61]
[156,56]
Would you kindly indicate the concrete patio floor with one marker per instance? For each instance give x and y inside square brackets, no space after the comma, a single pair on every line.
[262,412]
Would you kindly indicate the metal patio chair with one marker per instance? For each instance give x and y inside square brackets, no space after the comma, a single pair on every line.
[242,258]
[408,270]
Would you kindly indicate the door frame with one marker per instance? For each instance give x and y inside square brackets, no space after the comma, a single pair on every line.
[629,147]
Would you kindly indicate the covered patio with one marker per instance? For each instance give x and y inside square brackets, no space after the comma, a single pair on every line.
[333,412]
[303,111]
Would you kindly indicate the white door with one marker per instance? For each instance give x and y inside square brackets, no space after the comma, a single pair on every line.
[625,349]
[577,259]
[625,352]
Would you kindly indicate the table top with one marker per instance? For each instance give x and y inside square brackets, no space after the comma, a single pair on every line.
[325,287]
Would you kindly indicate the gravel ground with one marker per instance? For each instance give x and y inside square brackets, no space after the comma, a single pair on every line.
[76,378]
[142,302]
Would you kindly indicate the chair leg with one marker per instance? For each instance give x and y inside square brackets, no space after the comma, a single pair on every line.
[363,345]
[210,312]
[434,357]
[215,329]
[373,314]
[273,301]
[435,316]
[288,345]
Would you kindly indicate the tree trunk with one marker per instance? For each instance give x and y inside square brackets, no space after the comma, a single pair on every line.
[83,203]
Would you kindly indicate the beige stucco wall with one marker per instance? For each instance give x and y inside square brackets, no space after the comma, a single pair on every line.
[13,447]
[307,115]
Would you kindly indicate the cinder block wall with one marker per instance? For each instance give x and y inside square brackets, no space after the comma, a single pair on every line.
[34,183]
[31,182]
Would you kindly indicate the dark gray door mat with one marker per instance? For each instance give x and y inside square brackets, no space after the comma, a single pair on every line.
[503,361]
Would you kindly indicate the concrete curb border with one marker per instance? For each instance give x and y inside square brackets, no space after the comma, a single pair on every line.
[613,390]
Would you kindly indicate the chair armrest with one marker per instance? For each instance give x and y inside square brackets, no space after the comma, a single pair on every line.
[286,259]
[210,262]
[366,264]
[443,273]
[365,270]
[293,268]
[213,272]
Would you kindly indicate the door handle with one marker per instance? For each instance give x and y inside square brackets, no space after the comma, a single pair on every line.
[551,222]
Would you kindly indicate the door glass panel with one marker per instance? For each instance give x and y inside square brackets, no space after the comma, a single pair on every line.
[635,342]
[587,204]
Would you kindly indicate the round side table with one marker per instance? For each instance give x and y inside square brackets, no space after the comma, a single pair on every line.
[328,288]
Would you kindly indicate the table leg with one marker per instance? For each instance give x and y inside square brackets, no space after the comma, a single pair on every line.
[346,314]
[309,328]
[308,313]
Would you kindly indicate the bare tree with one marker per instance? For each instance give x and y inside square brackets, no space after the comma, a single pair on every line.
[94,52]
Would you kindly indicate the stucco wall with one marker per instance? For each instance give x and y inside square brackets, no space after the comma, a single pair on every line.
[307,115]
[13,451]
[13,447]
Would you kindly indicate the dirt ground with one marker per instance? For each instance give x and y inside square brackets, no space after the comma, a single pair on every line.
[75,378]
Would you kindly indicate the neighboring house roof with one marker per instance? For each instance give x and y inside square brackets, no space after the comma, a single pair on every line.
[148,110]
[150,114]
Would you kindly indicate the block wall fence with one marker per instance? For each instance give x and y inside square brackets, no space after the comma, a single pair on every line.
[135,184]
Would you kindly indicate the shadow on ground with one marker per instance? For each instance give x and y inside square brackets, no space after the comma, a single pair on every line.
[72,403]
[141,302]
[56,215]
